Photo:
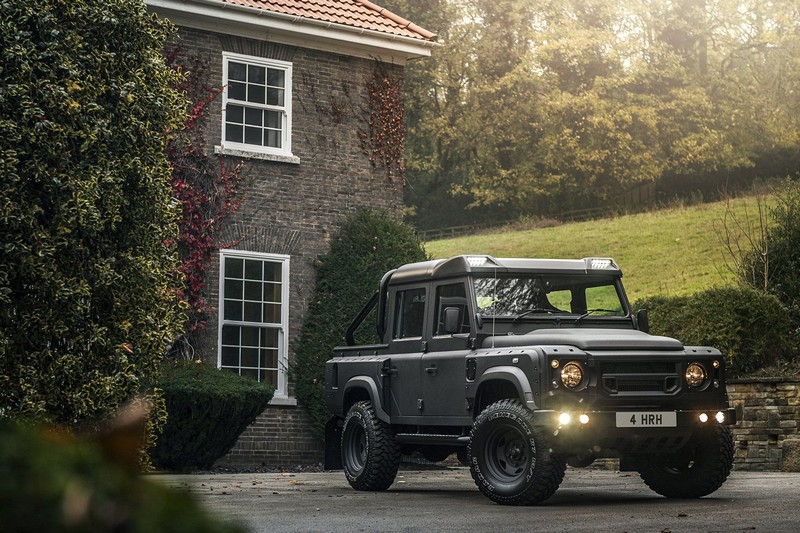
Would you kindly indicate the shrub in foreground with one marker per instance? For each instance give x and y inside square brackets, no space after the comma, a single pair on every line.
[51,480]
[751,328]
[207,410]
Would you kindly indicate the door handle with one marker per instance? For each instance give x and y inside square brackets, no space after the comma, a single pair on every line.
[431,370]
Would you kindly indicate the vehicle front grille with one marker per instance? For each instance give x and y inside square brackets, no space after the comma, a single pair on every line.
[639,377]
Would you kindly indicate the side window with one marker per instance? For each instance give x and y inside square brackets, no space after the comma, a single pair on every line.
[453,295]
[409,314]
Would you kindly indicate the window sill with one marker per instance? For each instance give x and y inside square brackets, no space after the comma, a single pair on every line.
[283,401]
[247,154]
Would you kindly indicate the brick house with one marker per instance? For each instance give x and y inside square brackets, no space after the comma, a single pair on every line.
[295,77]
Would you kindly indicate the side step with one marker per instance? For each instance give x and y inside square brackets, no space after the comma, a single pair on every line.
[432,439]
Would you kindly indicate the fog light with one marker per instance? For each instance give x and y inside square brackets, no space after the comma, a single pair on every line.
[703,418]
[720,416]
[584,419]
[564,419]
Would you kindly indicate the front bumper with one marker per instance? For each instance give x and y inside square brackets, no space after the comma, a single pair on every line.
[599,432]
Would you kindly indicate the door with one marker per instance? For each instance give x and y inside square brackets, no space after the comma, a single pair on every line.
[408,307]
[443,365]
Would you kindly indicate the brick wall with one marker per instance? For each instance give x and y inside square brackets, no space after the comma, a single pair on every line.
[766,435]
[293,208]
[280,437]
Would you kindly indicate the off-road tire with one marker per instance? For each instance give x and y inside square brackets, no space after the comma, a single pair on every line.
[509,458]
[699,469]
[370,453]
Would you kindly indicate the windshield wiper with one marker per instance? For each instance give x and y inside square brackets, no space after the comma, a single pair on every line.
[598,310]
[536,310]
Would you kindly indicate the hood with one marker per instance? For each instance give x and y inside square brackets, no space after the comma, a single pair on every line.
[587,339]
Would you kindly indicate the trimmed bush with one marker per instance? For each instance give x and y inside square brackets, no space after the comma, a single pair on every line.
[751,328]
[207,410]
[369,244]
[87,277]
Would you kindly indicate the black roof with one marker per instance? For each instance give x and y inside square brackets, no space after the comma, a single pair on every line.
[485,264]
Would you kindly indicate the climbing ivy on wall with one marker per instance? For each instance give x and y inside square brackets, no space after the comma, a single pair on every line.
[383,137]
[208,190]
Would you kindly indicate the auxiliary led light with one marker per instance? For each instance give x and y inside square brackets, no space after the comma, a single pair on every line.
[715,364]
[564,419]
[554,363]
[476,260]
[703,418]
[584,419]
[720,416]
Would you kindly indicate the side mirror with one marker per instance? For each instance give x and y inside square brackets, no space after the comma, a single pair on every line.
[452,320]
[642,321]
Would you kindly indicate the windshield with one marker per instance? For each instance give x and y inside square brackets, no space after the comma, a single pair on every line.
[542,295]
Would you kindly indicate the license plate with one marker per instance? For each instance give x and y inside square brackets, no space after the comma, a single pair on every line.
[647,419]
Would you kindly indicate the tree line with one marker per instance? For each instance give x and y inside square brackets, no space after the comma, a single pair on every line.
[531,107]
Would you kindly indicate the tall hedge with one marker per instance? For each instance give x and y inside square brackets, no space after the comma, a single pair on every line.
[369,244]
[750,327]
[86,278]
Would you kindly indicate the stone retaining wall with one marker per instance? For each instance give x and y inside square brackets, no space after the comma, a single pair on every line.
[766,435]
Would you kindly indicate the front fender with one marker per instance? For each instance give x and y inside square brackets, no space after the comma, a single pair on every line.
[516,377]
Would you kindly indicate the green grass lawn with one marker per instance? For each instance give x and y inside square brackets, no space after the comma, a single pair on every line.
[674,251]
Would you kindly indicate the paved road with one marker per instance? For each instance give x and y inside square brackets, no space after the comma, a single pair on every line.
[447,500]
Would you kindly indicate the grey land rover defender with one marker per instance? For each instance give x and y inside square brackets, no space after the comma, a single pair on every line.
[520,367]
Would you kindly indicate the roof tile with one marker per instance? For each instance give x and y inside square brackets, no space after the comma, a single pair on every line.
[360,14]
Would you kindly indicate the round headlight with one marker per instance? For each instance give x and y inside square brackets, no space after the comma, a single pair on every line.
[695,375]
[571,375]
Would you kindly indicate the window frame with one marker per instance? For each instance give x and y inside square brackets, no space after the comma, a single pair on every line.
[438,309]
[285,110]
[400,312]
[282,327]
